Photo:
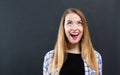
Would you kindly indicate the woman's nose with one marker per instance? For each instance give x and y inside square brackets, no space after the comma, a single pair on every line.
[75,27]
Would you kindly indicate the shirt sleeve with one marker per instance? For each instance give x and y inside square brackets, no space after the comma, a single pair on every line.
[46,62]
[99,60]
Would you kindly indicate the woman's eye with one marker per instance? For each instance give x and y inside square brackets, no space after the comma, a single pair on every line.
[79,23]
[69,22]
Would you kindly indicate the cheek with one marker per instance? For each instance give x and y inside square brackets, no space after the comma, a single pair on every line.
[66,29]
[66,32]
[81,29]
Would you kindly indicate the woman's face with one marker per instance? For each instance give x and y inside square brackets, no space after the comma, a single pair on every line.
[73,28]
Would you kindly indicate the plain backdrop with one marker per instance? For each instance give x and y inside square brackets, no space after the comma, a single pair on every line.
[28,29]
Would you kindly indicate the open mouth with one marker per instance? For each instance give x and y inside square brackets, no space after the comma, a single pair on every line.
[74,36]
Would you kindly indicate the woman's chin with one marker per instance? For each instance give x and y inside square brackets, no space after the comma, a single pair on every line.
[74,41]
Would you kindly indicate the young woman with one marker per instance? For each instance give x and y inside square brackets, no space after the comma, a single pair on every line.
[73,53]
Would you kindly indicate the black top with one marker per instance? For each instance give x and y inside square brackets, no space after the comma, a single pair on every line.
[73,65]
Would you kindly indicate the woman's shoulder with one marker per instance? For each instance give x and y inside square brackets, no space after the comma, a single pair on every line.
[98,55]
[49,54]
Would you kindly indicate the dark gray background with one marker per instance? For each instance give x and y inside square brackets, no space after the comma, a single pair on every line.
[28,29]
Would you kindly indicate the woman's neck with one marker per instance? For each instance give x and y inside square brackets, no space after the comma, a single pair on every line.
[74,48]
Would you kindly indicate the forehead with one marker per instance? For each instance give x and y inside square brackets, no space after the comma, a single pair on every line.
[72,16]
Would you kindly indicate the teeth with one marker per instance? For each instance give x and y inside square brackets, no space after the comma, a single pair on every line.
[74,34]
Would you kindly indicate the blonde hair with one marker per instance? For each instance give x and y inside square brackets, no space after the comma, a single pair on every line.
[87,50]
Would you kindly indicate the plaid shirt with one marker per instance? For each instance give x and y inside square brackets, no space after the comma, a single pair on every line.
[88,70]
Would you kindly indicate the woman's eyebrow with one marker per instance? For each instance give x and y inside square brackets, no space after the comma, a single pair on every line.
[69,20]
[79,21]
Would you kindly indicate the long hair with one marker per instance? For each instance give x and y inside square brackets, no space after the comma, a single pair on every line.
[87,50]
